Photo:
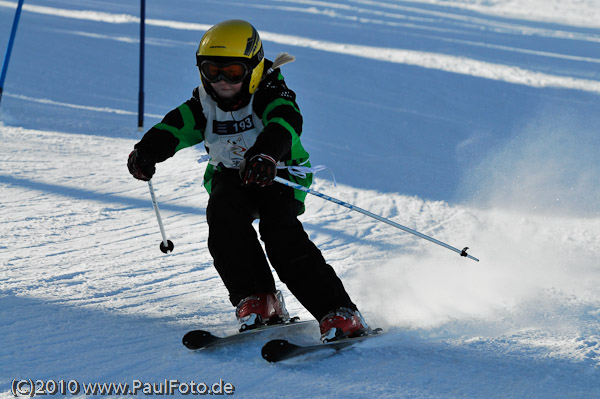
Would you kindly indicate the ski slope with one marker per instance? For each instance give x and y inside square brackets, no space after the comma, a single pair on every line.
[474,122]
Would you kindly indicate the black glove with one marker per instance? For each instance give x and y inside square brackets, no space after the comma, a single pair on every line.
[140,165]
[260,169]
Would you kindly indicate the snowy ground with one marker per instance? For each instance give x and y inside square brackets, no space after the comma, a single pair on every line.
[471,121]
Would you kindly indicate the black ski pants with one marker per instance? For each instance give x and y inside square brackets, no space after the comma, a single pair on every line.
[239,257]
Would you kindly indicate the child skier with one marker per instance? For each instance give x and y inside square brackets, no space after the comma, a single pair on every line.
[250,124]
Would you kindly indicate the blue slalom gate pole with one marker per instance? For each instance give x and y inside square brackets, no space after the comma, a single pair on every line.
[288,183]
[11,41]
[142,44]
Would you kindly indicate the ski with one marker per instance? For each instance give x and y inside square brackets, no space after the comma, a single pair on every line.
[201,339]
[278,350]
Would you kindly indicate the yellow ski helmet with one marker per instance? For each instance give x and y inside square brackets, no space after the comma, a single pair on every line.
[231,41]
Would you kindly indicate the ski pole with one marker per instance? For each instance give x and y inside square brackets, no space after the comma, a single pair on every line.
[374,216]
[166,246]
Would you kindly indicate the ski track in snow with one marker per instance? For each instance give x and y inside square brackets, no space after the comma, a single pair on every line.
[85,293]
[80,246]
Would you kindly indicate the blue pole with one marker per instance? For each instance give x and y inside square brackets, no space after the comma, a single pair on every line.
[11,40]
[142,40]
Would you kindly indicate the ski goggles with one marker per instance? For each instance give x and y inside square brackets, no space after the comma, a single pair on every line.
[233,72]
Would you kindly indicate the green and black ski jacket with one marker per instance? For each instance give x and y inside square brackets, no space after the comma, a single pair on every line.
[270,123]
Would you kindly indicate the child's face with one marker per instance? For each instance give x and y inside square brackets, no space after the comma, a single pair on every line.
[226,90]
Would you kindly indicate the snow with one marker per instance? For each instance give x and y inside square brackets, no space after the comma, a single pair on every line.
[474,122]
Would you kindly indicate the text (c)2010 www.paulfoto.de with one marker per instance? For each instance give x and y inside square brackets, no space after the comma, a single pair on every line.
[31,388]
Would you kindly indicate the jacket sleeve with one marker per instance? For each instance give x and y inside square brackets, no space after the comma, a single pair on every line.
[276,104]
[180,128]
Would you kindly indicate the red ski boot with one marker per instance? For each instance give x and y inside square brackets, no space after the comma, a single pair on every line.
[261,309]
[343,323]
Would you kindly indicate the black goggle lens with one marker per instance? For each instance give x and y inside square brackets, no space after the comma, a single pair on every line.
[231,73]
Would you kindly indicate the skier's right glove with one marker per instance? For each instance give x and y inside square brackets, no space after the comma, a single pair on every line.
[141,166]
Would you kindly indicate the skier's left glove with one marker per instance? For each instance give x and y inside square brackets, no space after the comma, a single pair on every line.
[140,165]
[260,169]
